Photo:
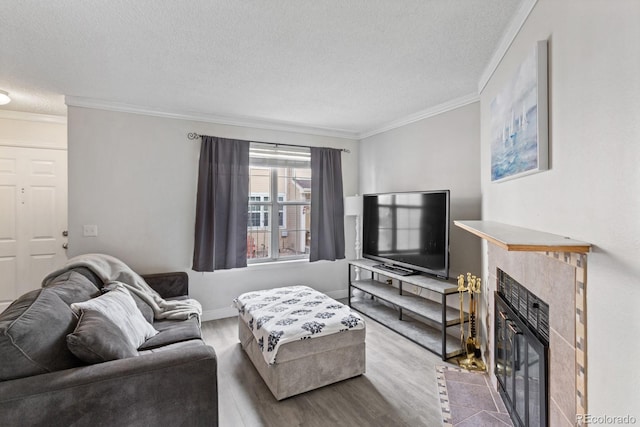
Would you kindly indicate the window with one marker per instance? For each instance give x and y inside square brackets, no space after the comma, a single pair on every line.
[255,212]
[279,181]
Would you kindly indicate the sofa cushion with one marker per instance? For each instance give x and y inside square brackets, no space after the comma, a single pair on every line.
[90,275]
[72,286]
[183,345]
[96,339]
[169,284]
[33,332]
[120,308]
[172,331]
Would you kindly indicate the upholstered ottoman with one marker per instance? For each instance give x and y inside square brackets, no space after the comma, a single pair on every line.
[299,339]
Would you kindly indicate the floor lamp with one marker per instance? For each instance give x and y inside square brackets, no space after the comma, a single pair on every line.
[353,207]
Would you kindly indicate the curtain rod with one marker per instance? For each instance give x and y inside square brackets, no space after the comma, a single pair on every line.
[193,135]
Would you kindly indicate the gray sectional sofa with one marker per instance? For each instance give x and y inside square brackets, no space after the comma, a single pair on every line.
[170,380]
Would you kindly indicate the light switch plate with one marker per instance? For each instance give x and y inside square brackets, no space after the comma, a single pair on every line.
[90,231]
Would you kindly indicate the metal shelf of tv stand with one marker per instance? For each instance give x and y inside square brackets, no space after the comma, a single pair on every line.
[438,316]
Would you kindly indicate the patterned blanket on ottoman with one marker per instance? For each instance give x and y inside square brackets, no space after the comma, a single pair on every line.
[281,315]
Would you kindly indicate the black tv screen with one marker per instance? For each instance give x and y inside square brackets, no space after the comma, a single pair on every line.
[410,230]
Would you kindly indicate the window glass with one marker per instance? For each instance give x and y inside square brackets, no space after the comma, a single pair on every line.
[295,184]
[279,182]
[259,237]
[259,182]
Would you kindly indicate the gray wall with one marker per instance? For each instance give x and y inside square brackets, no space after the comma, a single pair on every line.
[436,153]
[134,176]
[591,192]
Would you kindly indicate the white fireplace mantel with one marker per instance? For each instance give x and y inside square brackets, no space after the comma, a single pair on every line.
[512,238]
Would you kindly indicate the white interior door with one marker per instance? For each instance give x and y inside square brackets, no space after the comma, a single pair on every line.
[33,217]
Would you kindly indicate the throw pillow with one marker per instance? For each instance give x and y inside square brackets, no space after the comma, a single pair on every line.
[96,339]
[145,309]
[119,307]
[73,287]
[32,336]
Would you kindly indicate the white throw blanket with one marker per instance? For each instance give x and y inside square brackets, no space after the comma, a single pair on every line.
[281,315]
[112,270]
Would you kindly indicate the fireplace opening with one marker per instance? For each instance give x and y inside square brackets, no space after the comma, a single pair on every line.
[521,352]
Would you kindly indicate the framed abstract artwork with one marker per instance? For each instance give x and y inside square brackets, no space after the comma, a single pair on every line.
[519,120]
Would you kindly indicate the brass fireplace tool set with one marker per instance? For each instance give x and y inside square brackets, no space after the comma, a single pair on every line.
[470,345]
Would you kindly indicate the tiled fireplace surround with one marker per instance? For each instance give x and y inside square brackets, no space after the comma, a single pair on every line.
[559,279]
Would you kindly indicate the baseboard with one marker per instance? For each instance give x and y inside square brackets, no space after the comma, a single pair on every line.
[223,313]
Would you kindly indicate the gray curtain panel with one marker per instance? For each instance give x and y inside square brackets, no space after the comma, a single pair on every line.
[327,205]
[222,205]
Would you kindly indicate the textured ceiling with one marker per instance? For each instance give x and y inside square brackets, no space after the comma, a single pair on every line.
[352,65]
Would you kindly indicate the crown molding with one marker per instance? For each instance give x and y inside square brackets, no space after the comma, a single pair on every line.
[74,101]
[424,114]
[98,104]
[507,39]
[509,36]
[32,117]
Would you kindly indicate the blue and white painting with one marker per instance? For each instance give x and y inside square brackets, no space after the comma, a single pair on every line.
[516,146]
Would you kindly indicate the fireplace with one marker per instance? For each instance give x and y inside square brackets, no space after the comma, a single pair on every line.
[521,350]
[554,268]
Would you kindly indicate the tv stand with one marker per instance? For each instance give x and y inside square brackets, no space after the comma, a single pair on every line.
[400,271]
[421,315]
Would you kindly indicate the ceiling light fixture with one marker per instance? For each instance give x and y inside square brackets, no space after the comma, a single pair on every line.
[4,97]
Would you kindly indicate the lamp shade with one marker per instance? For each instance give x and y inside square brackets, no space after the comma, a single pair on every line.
[353,205]
[4,97]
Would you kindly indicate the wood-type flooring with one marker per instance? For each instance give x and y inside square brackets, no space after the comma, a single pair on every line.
[398,389]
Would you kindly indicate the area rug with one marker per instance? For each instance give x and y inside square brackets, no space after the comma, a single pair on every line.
[467,399]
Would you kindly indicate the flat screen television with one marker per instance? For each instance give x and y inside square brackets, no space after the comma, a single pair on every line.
[409,230]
